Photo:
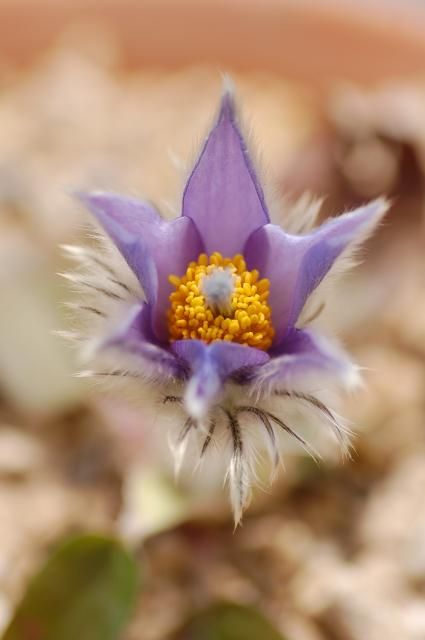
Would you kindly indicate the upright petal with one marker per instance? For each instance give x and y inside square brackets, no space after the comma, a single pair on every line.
[304,360]
[211,365]
[296,265]
[223,196]
[154,248]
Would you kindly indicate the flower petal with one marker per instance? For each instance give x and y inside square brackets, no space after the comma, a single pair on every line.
[223,196]
[154,248]
[304,360]
[211,365]
[134,337]
[295,265]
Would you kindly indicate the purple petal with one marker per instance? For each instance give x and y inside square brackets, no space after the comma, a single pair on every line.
[211,365]
[223,196]
[134,336]
[304,360]
[154,248]
[295,265]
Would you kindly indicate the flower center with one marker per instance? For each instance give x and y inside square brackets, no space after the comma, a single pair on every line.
[218,299]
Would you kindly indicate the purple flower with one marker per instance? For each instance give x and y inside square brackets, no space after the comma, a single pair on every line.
[212,305]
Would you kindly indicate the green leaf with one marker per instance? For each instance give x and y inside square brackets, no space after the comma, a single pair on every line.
[84,592]
[225,621]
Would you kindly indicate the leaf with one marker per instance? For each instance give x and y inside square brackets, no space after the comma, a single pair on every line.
[225,621]
[85,591]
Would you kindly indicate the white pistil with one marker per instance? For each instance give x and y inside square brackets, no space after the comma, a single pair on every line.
[218,287]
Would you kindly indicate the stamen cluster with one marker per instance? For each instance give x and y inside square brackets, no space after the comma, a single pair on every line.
[248,319]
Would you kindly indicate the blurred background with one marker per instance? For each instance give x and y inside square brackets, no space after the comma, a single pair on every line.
[117,95]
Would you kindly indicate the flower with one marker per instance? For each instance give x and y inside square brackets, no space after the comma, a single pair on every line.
[212,304]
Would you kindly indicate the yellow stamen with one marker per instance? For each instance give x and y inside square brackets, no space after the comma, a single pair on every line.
[245,317]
